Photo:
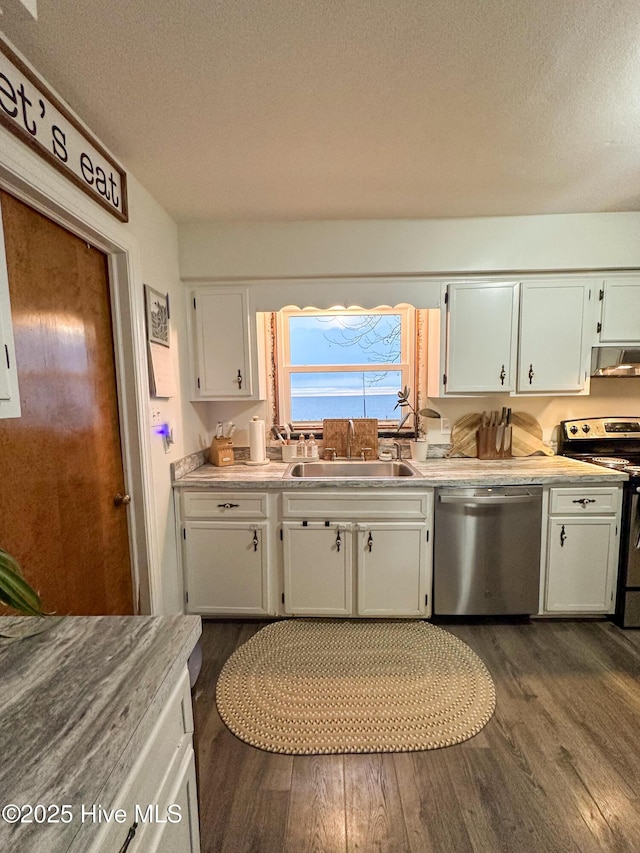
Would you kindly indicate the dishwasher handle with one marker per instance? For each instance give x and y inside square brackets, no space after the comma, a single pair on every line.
[475,500]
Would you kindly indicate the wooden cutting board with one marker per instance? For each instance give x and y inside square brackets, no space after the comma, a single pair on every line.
[463,436]
[526,436]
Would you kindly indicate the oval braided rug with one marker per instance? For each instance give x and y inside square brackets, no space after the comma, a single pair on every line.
[305,686]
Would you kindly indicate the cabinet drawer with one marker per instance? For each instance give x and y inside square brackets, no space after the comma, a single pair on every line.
[357,505]
[584,501]
[224,505]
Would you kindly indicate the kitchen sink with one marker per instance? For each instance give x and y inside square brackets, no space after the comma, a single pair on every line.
[349,469]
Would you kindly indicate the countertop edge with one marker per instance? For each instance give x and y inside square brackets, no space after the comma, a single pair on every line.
[431,474]
[142,730]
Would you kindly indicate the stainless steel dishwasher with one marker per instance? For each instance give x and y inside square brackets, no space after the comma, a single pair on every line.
[487,551]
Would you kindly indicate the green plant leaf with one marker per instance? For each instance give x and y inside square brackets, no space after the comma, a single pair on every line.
[15,592]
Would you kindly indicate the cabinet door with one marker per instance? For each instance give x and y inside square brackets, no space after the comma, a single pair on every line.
[392,569]
[180,831]
[552,353]
[225,567]
[480,335]
[581,564]
[621,311]
[317,569]
[222,346]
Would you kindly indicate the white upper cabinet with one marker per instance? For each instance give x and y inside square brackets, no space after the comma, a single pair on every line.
[552,356]
[9,397]
[526,337]
[480,337]
[223,339]
[620,317]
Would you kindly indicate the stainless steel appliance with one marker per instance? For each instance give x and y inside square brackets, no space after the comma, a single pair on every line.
[615,443]
[487,551]
[615,361]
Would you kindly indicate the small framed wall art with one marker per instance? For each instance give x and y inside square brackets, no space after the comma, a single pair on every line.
[157,311]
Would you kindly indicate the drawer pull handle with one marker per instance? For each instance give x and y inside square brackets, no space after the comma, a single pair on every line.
[129,838]
[338,540]
[370,542]
[228,506]
[563,536]
[239,379]
[503,375]
[255,540]
[584,501]
[531,374]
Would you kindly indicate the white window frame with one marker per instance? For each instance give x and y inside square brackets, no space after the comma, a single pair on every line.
[284,368]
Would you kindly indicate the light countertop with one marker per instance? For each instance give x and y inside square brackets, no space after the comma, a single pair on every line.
[77,703]
[434,472]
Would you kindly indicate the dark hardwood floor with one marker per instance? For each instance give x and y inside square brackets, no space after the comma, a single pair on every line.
[556,769]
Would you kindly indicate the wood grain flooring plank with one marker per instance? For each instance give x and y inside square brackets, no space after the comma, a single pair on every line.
[258,822]
[432,816]
[316,821]
[374,816]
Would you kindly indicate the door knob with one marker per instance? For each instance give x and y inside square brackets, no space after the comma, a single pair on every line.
[121,500]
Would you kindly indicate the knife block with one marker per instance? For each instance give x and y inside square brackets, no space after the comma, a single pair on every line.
[221,452]
[493,444]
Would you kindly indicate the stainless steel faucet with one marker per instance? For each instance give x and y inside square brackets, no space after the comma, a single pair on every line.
[350,436]
[398,448]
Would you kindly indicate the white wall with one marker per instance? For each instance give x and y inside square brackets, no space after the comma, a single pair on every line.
[410,247]
[157,236]
[300,251]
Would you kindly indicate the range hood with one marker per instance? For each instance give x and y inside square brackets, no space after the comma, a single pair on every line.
[615,361]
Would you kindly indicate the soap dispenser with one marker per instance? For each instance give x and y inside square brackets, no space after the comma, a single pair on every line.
[312,447]
[301,447]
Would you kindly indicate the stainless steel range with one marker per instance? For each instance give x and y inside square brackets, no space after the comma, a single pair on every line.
[615,443]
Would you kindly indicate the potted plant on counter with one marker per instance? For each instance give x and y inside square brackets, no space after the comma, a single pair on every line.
[420,444]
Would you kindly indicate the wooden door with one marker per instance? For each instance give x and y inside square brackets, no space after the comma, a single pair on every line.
[61,461]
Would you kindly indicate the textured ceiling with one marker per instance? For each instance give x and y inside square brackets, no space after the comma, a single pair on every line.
[354,109]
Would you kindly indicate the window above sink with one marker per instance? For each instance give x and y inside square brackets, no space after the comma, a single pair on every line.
[343,363]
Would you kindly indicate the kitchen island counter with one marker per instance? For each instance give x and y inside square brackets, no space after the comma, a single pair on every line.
[78,703]
[543,470]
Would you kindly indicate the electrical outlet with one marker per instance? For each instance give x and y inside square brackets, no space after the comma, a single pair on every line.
[445,425]
[156,416]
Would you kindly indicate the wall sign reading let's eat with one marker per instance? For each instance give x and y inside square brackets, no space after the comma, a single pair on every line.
[36,117]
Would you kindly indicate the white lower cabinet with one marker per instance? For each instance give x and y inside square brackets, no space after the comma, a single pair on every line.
[226,553]
[317,568]
[159,796]
[582,550]
[392,560]
[356,554]
[226,567]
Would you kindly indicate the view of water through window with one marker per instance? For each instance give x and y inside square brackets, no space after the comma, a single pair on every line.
[356,352]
